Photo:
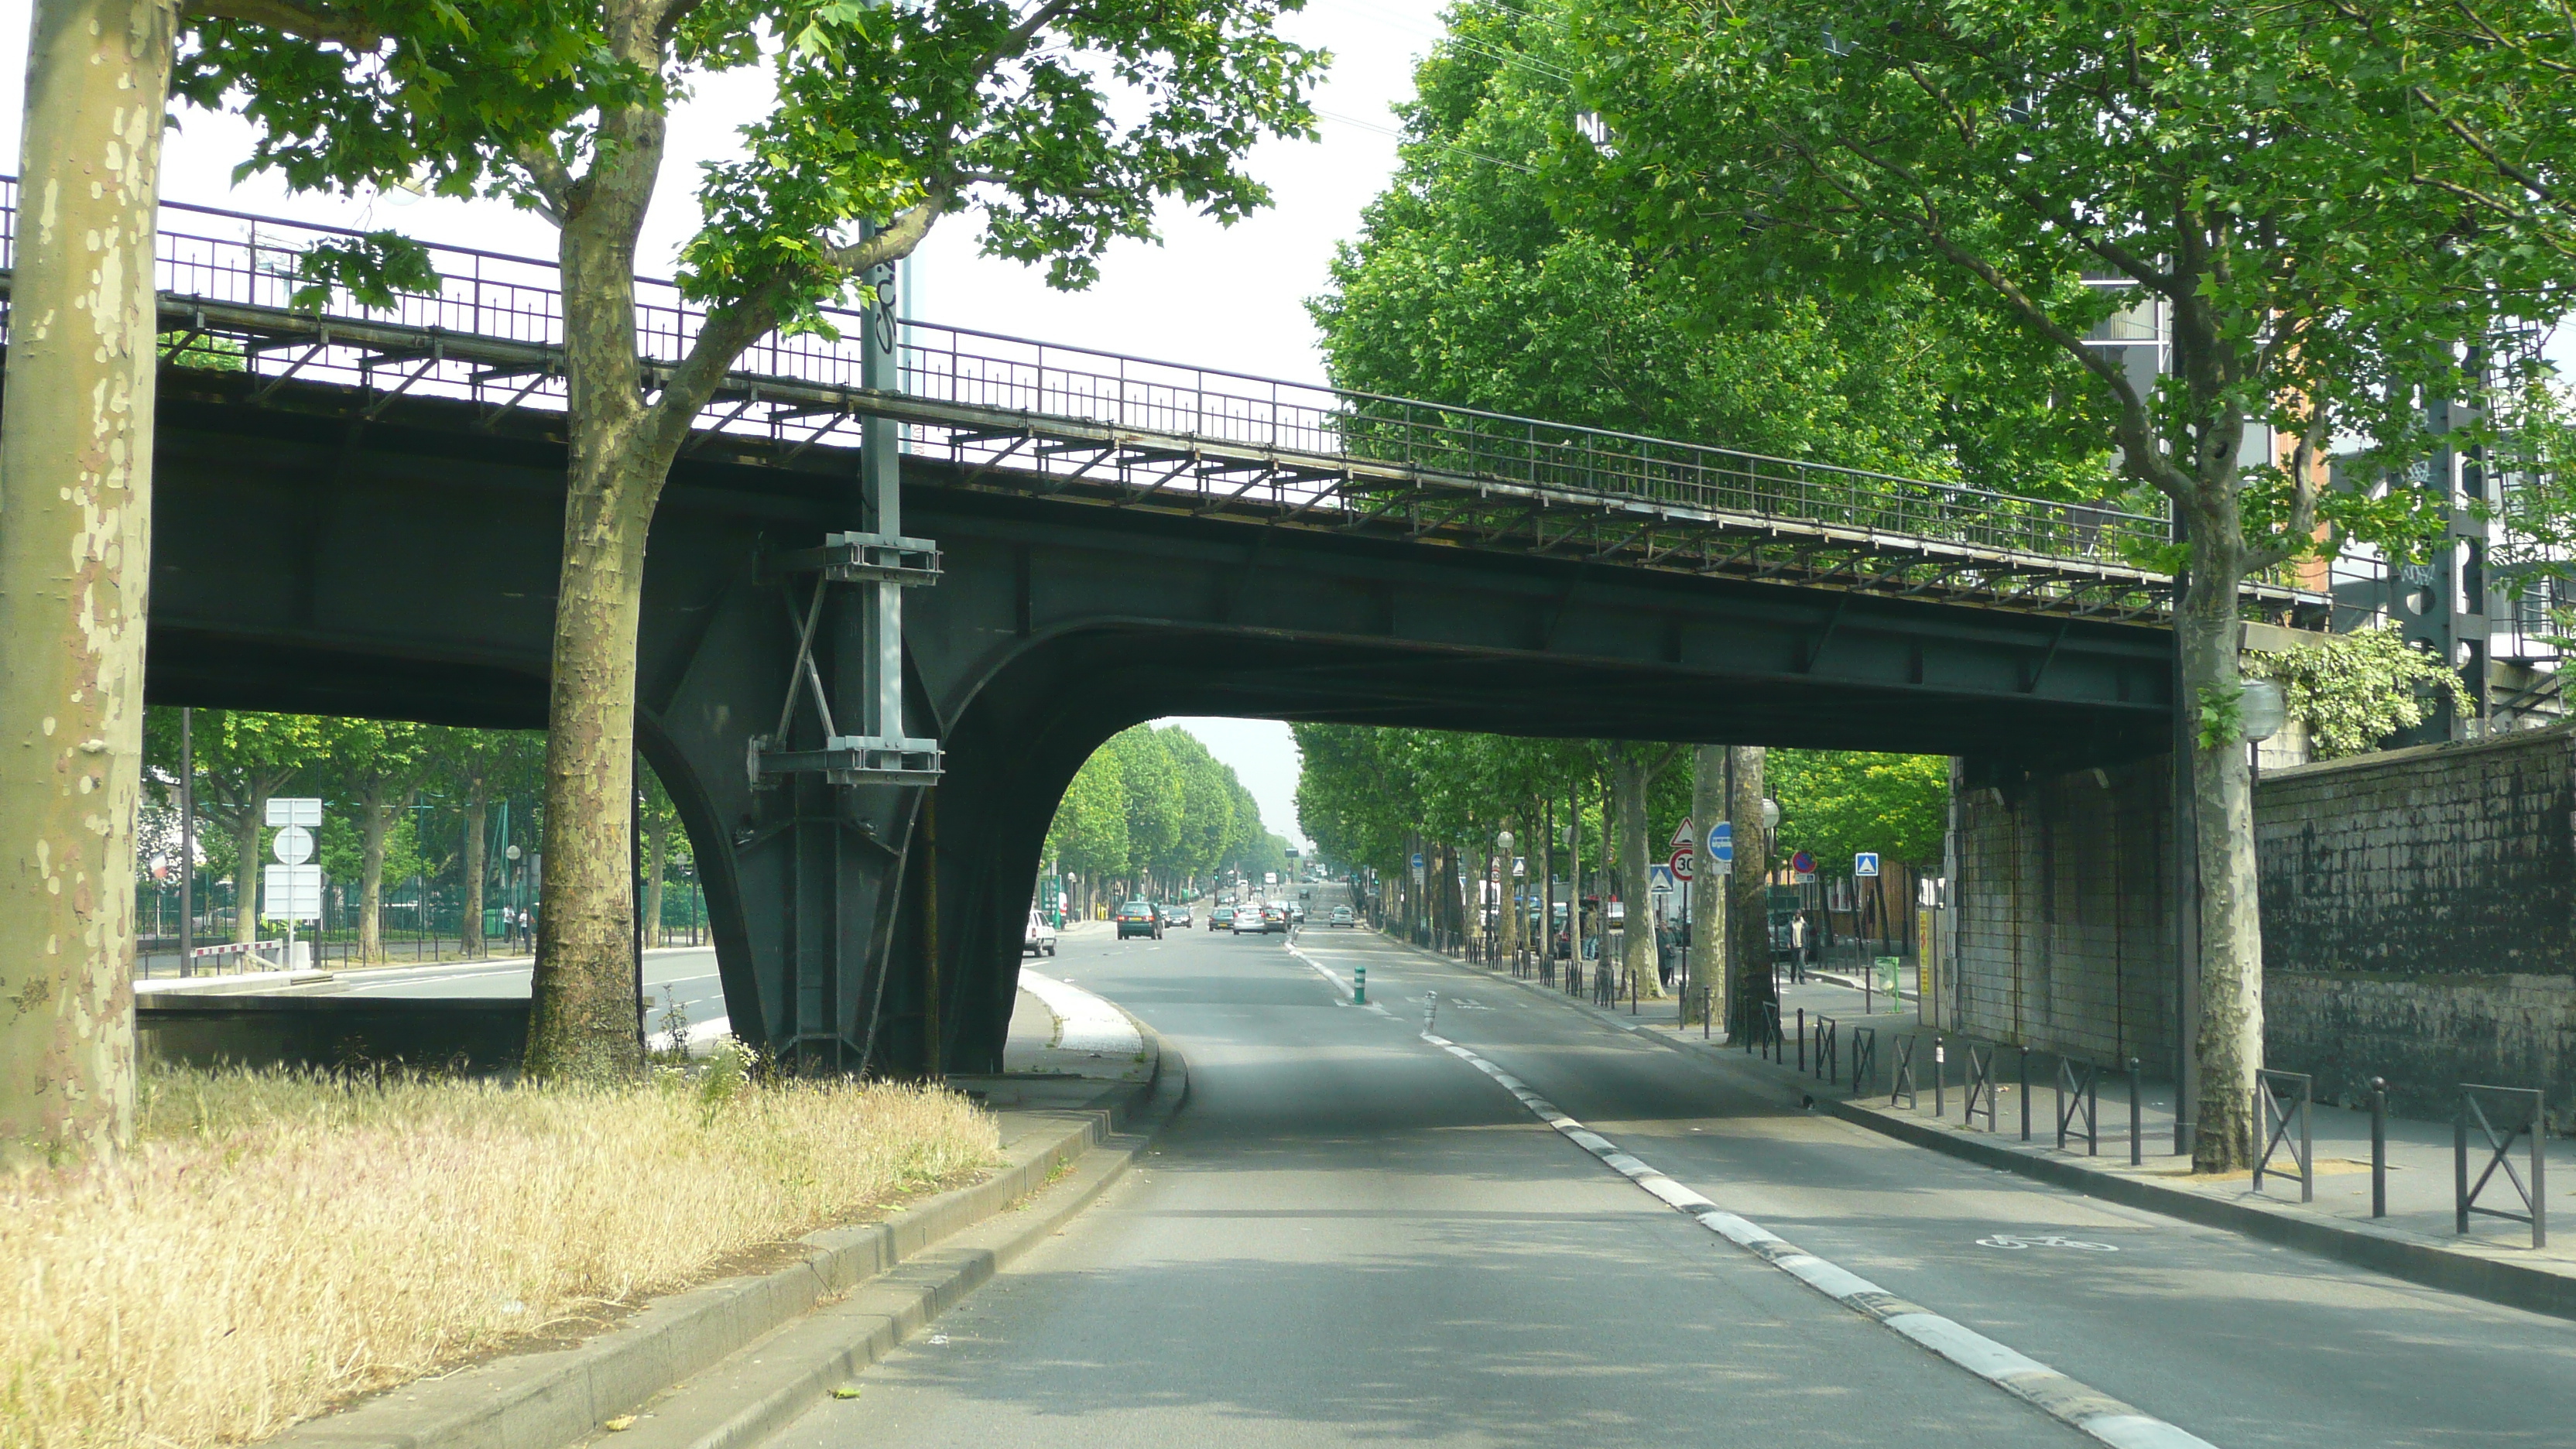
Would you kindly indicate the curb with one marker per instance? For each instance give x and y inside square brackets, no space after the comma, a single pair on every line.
[549,1399]
[2449,1270]
[772,1383]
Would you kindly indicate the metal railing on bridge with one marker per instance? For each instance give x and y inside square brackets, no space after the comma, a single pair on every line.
[1095,426]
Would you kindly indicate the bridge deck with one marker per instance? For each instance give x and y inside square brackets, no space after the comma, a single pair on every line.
[1084,425]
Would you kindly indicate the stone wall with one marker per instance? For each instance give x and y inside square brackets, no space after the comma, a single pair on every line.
[2060,903]
[2419,918]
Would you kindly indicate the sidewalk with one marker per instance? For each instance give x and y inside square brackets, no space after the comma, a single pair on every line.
[2417,1241]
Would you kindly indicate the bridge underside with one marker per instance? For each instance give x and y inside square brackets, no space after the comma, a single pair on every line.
[310,558]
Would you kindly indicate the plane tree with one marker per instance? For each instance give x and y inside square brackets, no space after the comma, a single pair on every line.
[1061,122]
[2342,209]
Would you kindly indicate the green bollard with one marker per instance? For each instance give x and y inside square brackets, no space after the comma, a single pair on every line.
[1359,986]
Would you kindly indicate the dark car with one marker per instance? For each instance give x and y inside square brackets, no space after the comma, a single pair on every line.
[1221,919]
[1274,917]
[1140,918]
[1178,916]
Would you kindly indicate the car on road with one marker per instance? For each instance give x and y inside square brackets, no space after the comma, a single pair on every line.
[1341,916]
[1248,921]
[1040,940]
[1178,916]
[1140,918]
[1274,916]
[1221,919]
[1297,913]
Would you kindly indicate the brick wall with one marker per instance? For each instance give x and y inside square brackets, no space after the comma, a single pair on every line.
[2064,933]
[2419,918]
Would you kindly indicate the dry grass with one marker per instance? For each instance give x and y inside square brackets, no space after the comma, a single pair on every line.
[277,1243]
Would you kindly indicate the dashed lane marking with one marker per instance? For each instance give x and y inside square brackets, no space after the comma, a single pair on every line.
[2064,1399]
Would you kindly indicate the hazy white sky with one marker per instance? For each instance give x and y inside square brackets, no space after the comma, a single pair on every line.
[1219,296]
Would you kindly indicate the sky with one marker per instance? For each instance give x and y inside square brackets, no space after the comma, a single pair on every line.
[1231,297]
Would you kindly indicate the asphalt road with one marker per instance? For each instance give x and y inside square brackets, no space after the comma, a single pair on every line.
[687,972]
[1349,1235]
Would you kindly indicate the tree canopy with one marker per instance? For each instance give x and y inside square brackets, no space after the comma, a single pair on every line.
[1153,802]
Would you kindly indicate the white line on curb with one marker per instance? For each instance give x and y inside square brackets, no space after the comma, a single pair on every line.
[1342,987]
[2097,1414]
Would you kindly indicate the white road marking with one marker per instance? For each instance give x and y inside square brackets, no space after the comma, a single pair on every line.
[2062,1398]
[1342,988]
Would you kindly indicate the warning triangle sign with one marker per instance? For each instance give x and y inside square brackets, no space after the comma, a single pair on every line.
[1683,836]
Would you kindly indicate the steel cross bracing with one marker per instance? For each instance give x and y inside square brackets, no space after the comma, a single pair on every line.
[1072,423]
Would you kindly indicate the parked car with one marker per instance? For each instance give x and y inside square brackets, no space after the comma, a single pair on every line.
[1341,917]
[1221,918]
[1040,941]
[1140,918]
[1274,916]
[1178,916]
[1248,921]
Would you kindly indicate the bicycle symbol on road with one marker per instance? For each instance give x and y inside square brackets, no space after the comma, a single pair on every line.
[2014,1243]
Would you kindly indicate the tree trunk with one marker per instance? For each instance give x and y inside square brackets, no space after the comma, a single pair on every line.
[1708,806]
[470,860]
[1748,915]
[584,1008]
[374,812]
[75,558]
[1628,780]
[656,857]
[246,869]
[2230,1030]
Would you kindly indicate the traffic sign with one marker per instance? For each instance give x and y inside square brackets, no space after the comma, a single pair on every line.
[294,845]
[1721,842]
[295,810]
[1865,863]
[1661,879]
[1680,864]
[1520,866]
[1682,834]
[291,892]
[1417,862]
[1804,862]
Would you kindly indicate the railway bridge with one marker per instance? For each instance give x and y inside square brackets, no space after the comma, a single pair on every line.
[359,511]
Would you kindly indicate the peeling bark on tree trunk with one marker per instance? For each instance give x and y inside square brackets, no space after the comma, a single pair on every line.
[373,812]
[75,557]
[246,870]
[657,857]
[1748,915]
[470,859]
[1629,776]
[1708,806]
[2229,1037]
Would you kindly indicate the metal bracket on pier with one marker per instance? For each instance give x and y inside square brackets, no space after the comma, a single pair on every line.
[881,564]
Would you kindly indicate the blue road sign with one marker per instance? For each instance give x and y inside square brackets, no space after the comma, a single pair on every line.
[1417,860]
[1865,863]
[1721,842]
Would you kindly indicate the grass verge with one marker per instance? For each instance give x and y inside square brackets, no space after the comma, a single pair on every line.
[279,1243]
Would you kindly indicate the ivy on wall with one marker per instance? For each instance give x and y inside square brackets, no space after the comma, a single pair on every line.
[2354,690]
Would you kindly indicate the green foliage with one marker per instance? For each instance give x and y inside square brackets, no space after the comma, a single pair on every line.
[369,269]
[1839,803]
[2331,199]
[1062,124]
[2354,690]
[1155,801]
[1472,283]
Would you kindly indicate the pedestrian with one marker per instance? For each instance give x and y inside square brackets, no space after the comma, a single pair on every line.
[1798,947]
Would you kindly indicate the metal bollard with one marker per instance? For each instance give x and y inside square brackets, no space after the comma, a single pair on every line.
[2379,1147]
[1359,986]
[1802,1041]
[1940,1054]
[2136,1153]
[1430,1010]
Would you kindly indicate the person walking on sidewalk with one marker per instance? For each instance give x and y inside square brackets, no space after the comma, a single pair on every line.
[1798,948]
